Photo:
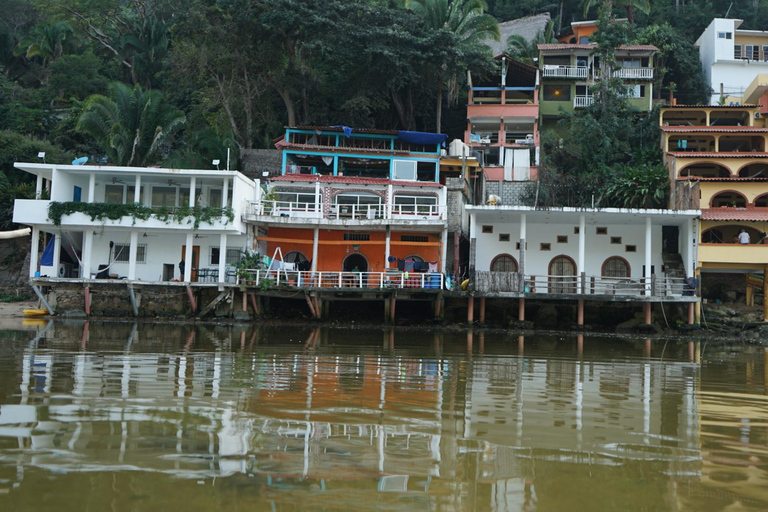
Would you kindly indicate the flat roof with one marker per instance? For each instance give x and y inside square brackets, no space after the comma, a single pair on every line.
[626,216]
[46,170]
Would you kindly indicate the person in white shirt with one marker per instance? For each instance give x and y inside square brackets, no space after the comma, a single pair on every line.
[743,237]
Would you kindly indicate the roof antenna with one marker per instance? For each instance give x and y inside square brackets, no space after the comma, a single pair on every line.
[729,10]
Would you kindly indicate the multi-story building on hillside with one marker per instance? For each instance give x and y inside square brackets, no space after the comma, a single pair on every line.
[731,59]
[718,162]
[570,69]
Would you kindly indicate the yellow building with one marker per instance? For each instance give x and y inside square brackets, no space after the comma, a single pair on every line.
[718,162]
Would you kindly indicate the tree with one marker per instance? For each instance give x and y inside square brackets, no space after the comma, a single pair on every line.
[629,5]
[46,40]
[469,25]
[130,124]
[526,51]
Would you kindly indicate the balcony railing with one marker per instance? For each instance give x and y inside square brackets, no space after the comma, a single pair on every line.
[565,72]
[634,73]
[343,211]
[583,101]
[346,280]
[656,286]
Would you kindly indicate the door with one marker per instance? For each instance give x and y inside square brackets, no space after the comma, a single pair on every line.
[195,261]
[562,275]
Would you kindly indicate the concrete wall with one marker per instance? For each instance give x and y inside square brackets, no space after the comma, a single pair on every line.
[512,193]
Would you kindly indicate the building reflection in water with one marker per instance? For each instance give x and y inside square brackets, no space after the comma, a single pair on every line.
[442,426]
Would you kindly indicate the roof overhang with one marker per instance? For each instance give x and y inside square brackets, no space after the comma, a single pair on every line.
[46,170]
[568,215]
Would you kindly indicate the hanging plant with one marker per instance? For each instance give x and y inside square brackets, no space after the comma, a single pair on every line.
[101,212]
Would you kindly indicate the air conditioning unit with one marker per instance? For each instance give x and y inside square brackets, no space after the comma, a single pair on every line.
[757,115]
[65,270]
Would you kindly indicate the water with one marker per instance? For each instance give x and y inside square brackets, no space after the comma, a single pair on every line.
[123,418]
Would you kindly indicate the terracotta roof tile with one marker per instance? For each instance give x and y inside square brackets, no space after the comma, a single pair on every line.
[709,106]
[592,46]
[351,180]
[735,154]
[738,214]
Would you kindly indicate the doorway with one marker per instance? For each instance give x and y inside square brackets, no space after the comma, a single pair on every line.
[195,262]
[669,239]
[562,271]
[355,262]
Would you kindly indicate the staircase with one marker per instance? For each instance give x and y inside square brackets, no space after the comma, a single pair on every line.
[674,270]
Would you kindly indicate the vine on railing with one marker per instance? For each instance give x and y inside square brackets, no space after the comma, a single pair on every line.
[102,211]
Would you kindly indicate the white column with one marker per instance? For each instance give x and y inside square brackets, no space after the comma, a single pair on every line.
[582,250]
[39,186]
[225,193]
[689,248]
[34,251]
[87,250]
[188,258]
[387,247]
[56,254]
[389,207]
[222,257]
[192,191]
[91,188]
[133,250]
[315,241]
[444,245]
[648,255]
[318,207]
[523,234]
[137,190]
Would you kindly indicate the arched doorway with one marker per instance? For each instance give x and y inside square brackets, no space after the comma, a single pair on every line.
[562,273]
[504,263]
[355,262]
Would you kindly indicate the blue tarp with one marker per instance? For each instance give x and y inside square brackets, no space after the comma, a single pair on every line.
[422,137]
[47,258]
[347,130]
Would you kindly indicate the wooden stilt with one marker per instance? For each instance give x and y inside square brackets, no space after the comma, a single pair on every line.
[470,309]
[521,310]
[392,304]
[318,307]
[580,312]
[191,296]
[647,311]
[254,304]
[87,294]
[690,313]
[215,302]
[311,306]
[482,310]
[245,302]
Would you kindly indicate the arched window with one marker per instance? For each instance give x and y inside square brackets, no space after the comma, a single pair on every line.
[762,201]
[730,198]
[562,272]
[294,257]
[616,266]
[504,263]
[704,170]
[712,236]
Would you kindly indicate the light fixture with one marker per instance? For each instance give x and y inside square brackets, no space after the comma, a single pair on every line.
[265,174]
[41,154]
[216,163]
[355,247]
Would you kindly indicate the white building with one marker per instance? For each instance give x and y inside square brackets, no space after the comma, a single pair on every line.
[731,58]
[160,217]
[566,251]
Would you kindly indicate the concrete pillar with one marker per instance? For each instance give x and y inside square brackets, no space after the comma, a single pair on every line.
[137,190]
[470,309]
[697,312]
[192,194]
[521,310]
[580,312]
[444,250]
[56,254]
[691,313]
[34,252]
[387,247]
[132,252]
[582,255]
[482,310]
[222,258]
[85,272]
[91,197]
[315,242]
[188,258]
[648,259]
[225,193]
[647,312]
[39,186]
[387,309]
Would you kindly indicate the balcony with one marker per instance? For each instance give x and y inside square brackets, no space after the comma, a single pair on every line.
[341,280]
[634,73]
[264,210]
[565,72]
[583,101]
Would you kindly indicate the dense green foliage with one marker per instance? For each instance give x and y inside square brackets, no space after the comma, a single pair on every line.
[194,215]
[239,71]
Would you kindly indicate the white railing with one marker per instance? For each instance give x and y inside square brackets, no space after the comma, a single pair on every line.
[656,286]
[634,73]
[583,101]
[565,72]
[344,212]
[347,280]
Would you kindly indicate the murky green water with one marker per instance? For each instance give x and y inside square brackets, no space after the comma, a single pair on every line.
[123,418]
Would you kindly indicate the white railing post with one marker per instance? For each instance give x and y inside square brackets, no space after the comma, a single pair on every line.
[340,277]
[381,279]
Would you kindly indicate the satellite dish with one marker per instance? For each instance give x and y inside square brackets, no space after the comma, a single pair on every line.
[80,161]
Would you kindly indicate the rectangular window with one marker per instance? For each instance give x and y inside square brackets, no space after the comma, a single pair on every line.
[296,199]
[233,254]
[576,230]
[630,248]
[562,239]
[122,253]
[404,170]
[113,194]
[503,237]
[214,197]
[601,231]
[737,51]
[357,237]
[545,247]
[164,196]
[415,204]
[487,229]
[557,92]
[724,35]
[414,238]
[616,240]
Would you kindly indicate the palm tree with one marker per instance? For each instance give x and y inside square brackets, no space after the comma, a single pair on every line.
[46,40]
[526,51]
[469,25]
[629,5]
[130,124]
